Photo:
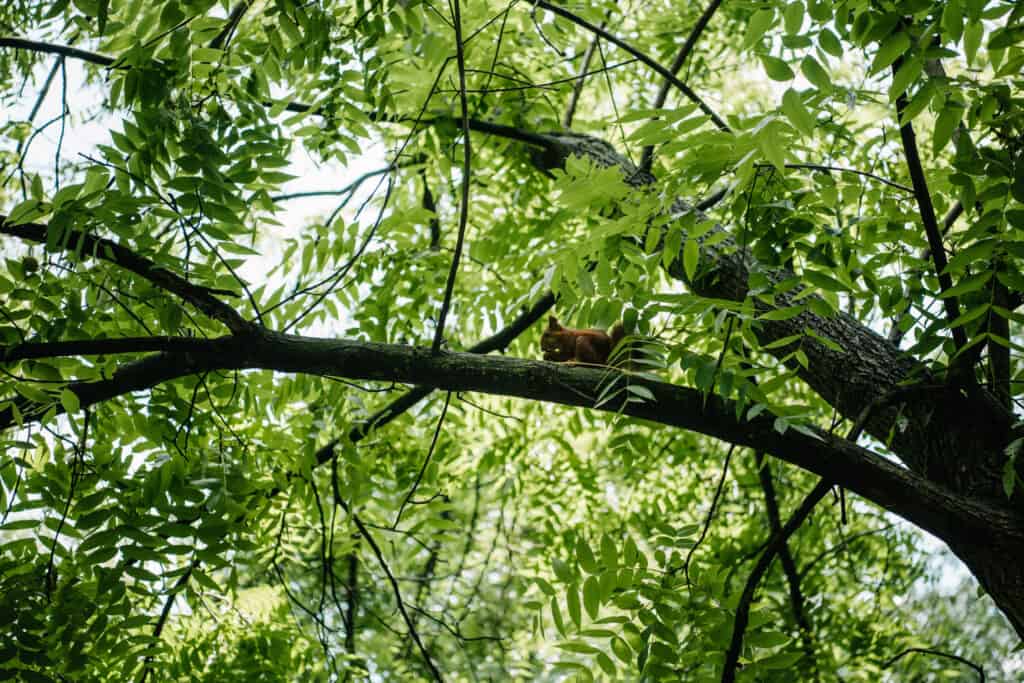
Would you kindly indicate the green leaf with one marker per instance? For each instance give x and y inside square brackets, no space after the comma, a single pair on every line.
[641,391]
[783,660]
[948,120]
[820,10]
[69,400]
[971,284]
[1005,37]
[783,313]
[777,69]
[767,639]
[572,602]
[691,257]
[556,615]
[759,23]
[606,664]
[814,73]
[908,73]
[830,43]
[952,20]
[609,551]
[973,33]
[771,142]
[621,650]
[585,556]
[592,596]
[971,315]
[794,17]
[27,211]
[794,109]
[891,49]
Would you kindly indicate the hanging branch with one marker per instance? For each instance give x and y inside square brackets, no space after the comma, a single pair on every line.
[778,541]
[796,596]
[579,81]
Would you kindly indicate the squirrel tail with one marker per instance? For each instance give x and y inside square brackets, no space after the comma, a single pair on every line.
[621,357]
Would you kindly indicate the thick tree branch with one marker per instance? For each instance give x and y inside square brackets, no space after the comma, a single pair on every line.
[496,342]
[911,496]
[859,368]
[95,347]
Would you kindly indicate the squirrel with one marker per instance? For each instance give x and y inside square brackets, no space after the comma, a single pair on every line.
[566,345]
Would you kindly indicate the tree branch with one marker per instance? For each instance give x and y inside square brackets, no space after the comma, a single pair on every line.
[578,83]
[647,158]
[467,157]
[99,247]
[53,49]
[654,66]
[937,653]
[778,540]
[909,495]
[789,568]
[927,211]
[94,347]
[413,633]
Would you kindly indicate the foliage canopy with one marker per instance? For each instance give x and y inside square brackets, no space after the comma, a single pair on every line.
[243,440]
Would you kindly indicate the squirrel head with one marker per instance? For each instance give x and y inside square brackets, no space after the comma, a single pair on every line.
[556,345]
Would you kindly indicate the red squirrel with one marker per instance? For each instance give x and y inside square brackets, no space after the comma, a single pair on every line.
[564,344]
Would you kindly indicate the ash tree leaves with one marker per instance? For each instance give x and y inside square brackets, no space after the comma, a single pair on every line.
[300,163]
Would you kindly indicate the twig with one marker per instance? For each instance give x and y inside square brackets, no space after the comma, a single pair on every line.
[398,597]
[467,156]
[710,516]
[927,211]
[426,460]
[937,653]
[647,158]
[577,87]
[655,66]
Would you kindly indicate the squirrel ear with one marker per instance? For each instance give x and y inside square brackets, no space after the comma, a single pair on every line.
[553,323]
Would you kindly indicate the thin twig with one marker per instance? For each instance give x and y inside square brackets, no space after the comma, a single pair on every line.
[467,156]
[426,460]
[655,66]
[647,158]
[398,597]
[937,653]
[578,82]
[927,211]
